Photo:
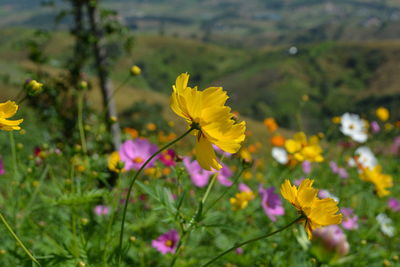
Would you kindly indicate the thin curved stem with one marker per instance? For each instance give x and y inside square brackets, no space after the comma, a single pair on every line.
[251,241]
[121,235]
[19,242]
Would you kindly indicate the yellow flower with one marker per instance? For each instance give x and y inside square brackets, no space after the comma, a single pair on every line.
[303,149]
[151,126]
[317,212]
[382,113]
[336,120]
[135,70]
[380,180]
[213,122]
[241,200]
[7,110]
[114,163]
[271,124]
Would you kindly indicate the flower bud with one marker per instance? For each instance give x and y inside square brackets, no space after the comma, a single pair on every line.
[33,87]
[135,70]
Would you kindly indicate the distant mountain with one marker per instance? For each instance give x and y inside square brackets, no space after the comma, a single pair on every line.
[235,22]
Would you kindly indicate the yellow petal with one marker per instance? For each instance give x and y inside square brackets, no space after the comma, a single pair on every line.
[205,154]
[8,109]
[289,192]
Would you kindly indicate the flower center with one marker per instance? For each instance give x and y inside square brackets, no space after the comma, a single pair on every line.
[169,243]
[167,157]
[137,160]
[351,126]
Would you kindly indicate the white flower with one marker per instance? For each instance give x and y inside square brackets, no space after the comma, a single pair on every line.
[352,125]
[280,155]
[386,224]
[365,157]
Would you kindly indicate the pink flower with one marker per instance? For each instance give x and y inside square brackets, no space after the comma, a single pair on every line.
[340,171]
[394,204]
[221,152]
[334,167]
[239,251]
[306,165]
[396,145]
[2,169]
[167,158]
[244,188]
[224,174]
[298,181]
[166,243]
[135,152]
[350,220]
[332,239]
[343,173]
[101,210]
[271,203]
[200,177]
[375,127]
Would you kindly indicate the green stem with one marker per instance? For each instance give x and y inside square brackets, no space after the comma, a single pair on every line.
[14,154]
[197,215]
[80,123]
[226,191]
[252,240]
[19,242]
[121,235]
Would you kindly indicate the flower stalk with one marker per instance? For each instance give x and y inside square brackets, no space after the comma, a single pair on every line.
[252,240]
[121,236]
[19,242]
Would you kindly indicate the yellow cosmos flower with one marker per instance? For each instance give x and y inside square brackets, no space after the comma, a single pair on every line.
[303,149]
[7,110]
[317,212]
[241,200]
[114,163]
[382,113]
[213,121]
[380,180]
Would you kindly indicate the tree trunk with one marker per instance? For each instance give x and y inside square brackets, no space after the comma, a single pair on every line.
[104,75]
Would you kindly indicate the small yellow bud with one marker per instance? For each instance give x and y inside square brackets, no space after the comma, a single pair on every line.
[33,87]
[305,98]
[132,239]
[81,264]
[382,113]
[83,85]
[84,221]
[35,183]
[135,70]
[113,119]
[20,146]
[336,120]
[2,252]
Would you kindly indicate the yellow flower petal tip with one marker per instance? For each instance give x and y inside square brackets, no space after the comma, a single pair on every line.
[214,122]
[317,212]
[7,110]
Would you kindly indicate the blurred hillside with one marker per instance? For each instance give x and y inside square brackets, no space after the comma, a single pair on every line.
[334,77]
[233,22]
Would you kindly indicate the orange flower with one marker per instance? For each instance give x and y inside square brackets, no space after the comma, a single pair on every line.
[271,124]
[278,140]
[134,133]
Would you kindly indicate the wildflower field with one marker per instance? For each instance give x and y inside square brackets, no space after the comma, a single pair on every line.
[95,174]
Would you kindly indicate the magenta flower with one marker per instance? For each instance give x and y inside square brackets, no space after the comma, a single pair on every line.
[343,173]
[244,188]
[198,175]
[298,181]
[135,152]
[332,239]
[271,203]
[239,251]
[375,127]
[338,170]
[166,243]
[221,152]
[334,167]
[168,158]
[306,165]
[396,145]
[2,169]
[394,204]
[224,174]
[350,220]
[101,210]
